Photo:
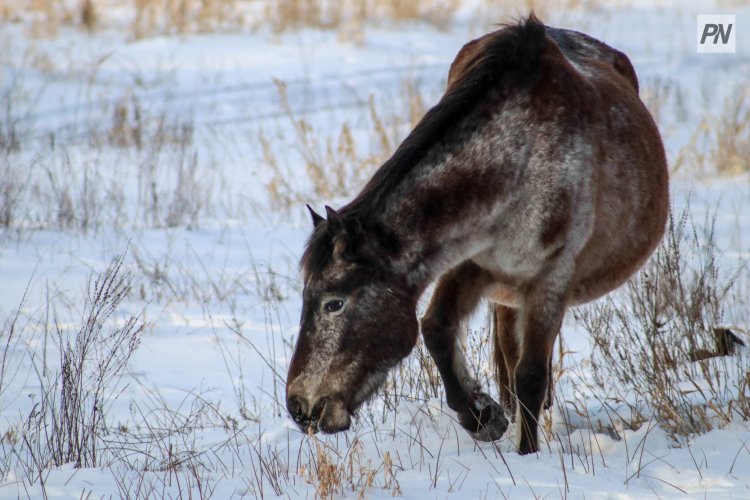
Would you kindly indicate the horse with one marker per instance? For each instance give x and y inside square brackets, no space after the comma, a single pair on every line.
[538,181]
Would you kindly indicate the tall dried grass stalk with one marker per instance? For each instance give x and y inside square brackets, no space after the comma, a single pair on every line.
[655,347]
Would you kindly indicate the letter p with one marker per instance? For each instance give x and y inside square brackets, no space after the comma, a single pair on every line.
[709,30]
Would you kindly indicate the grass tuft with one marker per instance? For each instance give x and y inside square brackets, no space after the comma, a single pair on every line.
[655,344]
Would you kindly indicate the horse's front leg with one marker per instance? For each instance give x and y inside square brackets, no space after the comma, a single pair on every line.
[541,317]
[457,294]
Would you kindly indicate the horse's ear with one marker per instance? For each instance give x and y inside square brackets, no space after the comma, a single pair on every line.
[316,218]
[335,222]
[352,242]
[338,231]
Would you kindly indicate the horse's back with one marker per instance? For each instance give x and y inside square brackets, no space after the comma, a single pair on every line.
[594,183]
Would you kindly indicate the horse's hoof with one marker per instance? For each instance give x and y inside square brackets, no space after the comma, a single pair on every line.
[484,419]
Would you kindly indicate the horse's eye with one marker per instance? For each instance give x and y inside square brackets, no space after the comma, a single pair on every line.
[333,306]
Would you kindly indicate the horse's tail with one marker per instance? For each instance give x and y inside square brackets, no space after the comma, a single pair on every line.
[502,355]
[505,352]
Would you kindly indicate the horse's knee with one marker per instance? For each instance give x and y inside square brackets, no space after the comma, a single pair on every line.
[436,333]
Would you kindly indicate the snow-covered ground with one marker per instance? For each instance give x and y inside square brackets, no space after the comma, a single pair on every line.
[192,156]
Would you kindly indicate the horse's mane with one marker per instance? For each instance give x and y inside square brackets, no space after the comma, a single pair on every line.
[513,50]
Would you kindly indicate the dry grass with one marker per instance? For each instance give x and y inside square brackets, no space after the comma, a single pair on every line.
[67,422]
[732,152]
[49,181]
[349,16]
[145,18]
[665,100]
[73,385]
[655,350]
[184,16]
[720,143]
[336,164]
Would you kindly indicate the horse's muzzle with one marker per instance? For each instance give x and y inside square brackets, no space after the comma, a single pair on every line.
[326,414]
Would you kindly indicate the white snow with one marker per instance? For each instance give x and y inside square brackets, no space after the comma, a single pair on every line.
[215,275]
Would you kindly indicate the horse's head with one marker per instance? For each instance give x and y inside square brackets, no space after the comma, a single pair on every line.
[358,321]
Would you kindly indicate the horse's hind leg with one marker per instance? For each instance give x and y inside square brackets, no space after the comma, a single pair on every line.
[455,297]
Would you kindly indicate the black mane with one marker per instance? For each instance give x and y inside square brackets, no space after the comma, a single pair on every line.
[512,50]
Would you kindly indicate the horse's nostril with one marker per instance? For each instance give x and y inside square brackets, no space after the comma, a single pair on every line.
[318,409]
[305,414]
[297,408]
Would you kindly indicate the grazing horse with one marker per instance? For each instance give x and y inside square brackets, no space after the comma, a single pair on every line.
[539,181]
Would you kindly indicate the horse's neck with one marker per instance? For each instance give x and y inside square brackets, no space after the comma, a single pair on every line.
[439,215]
